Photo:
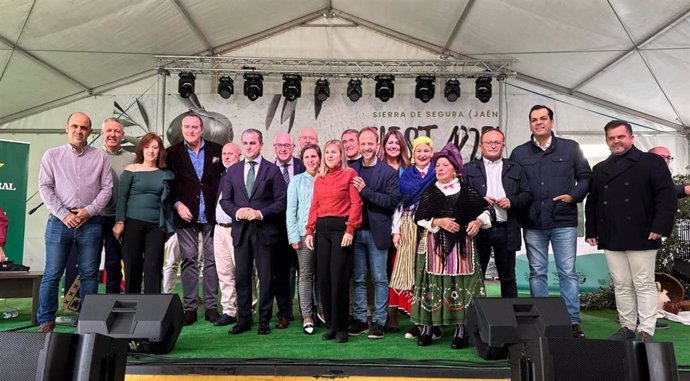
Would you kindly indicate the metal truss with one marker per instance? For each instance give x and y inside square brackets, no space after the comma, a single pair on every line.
[224,65]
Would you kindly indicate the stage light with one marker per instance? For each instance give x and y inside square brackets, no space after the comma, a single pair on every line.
[253,86]
[322,90]
[385,89]
[354,89]
[186,85]
[425,88]
[483,89]
[292,86]
[226,87]
[452,90]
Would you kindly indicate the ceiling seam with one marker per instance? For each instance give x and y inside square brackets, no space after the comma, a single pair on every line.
[646,64]
[13,46]
[635,47]
[459,24]
[192,25]
[247,40]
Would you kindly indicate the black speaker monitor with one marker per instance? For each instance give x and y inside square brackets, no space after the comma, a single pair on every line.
[61,356]
[496,323]
[149,323]
[570,359]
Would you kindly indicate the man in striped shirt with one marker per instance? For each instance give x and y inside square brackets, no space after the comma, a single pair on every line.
[75,183]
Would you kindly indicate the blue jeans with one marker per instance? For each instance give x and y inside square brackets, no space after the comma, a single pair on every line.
[365,252]
[59,240]
[563,241]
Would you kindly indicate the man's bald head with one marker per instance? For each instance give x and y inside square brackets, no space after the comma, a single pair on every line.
[663,152]
[230,154]
[308,136]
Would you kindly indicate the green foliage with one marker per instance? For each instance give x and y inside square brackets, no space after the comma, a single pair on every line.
[675,244]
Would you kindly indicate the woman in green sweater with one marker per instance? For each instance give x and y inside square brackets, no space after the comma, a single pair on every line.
[144,216]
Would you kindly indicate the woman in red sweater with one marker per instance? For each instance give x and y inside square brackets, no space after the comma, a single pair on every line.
[335,214]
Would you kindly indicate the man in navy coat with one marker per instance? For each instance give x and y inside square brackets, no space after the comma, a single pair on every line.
[254,193]
[379,186]
[631,205]
[503,184]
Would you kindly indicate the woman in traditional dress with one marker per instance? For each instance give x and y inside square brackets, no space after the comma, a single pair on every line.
[448,273]
[413,181]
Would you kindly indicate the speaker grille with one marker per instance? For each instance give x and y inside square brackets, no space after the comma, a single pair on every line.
[19,354]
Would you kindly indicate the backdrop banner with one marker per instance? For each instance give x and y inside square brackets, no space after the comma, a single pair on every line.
[14,173]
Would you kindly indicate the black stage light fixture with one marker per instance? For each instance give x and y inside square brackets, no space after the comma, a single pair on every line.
[483,89]
[226,87]
[322,90]
[425,88]
[253,86]
[186,84]
[452,90]
[354,89]
[292,86]
[385,89]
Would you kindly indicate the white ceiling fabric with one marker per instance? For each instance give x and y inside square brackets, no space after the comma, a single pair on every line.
[633,54]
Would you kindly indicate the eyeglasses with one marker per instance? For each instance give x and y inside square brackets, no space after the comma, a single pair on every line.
[493,143]
[283,146]
[667,158]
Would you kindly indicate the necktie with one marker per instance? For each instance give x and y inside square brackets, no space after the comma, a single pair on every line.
[423,173]
[251,176]
[286,174]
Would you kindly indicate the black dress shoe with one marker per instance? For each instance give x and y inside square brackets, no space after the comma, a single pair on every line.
[460,342]
[239,328]
[225,320]
[424,339]
[282,323]
[189,317]
[264,329]
[330,335]
[341,337]
[212,315]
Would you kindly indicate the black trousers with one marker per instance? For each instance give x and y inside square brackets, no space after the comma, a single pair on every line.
[333,269]
[497,238]
[113,257]
[142,251]
[251,250]
[282,288]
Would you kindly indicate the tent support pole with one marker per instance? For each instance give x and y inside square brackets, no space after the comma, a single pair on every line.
[160,102]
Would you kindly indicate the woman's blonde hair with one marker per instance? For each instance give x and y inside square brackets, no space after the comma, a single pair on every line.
[323,168]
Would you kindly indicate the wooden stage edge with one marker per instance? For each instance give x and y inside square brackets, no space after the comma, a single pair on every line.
[291,378]
[282,369]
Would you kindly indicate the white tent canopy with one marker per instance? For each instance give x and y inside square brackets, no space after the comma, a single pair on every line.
[591,61]
[632,56]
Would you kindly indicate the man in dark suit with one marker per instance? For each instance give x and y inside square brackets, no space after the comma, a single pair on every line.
[503,184]
[284,260]
[197,165]
[254,193]
[379,186]
[631,205]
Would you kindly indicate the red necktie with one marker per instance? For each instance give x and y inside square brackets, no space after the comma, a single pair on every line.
[423,173]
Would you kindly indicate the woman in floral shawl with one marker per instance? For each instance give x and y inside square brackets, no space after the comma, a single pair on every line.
[448,273]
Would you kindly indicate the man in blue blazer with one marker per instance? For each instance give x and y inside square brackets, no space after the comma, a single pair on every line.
[503,184]
[197,166]
[254,193]
[379,186]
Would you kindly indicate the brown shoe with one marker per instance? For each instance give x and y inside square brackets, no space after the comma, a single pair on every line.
[212,315]
[47,327]
[577,332]
[393,319]
[283,322]
[189,317]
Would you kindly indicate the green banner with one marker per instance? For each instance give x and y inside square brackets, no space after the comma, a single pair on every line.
[592,271]
[14,173]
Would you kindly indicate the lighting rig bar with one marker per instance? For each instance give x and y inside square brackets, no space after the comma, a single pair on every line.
[224,65]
